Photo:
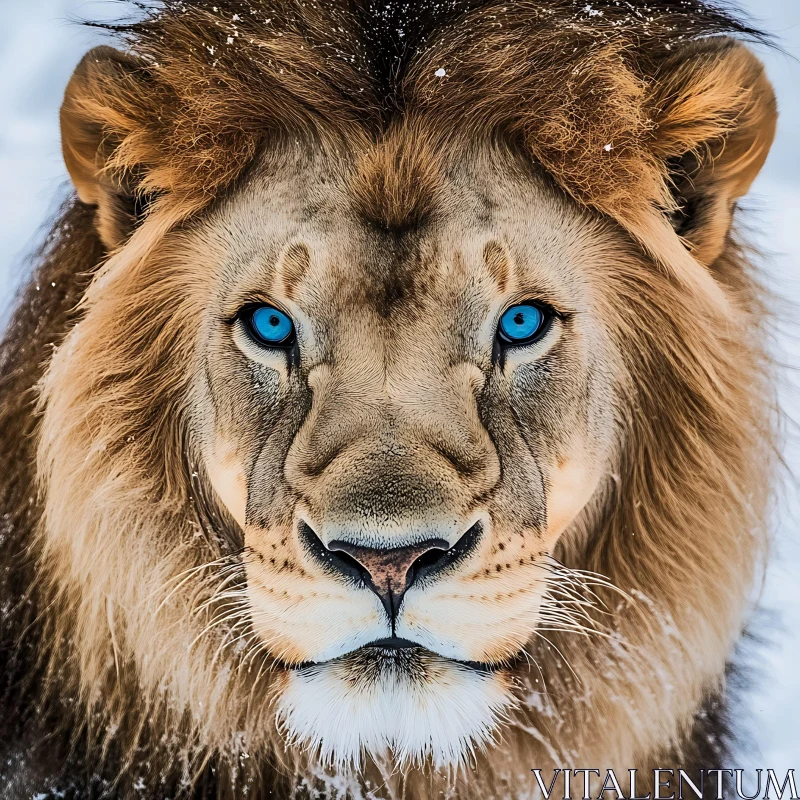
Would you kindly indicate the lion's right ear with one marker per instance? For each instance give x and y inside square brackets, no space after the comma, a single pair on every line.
[93,127]
[715,122]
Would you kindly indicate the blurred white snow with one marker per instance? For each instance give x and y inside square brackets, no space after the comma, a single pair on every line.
[40,43]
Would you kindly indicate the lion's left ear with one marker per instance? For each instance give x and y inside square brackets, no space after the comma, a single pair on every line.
[715,118]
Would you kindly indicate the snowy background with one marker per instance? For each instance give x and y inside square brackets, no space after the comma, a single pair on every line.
[40,43]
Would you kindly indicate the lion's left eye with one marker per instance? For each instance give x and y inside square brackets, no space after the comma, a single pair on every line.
[522,324]
[269,326]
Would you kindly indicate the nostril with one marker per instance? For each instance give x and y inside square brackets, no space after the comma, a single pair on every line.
[336,562]
[426,564]
[436,561]
[346,564]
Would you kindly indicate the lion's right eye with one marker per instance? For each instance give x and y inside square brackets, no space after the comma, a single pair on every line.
[269,326]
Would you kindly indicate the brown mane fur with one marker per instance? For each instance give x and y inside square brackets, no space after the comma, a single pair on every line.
[195,113]
[209,104]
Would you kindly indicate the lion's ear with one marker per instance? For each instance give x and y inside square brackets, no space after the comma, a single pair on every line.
[92,130]
[714,124]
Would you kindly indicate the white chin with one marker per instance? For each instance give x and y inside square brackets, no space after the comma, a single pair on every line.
[410,705]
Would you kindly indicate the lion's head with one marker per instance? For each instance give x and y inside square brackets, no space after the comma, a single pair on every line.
[420,403]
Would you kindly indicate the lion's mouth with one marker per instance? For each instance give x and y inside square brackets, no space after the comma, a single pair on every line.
[398,653]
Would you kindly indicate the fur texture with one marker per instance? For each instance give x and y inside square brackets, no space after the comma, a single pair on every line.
[417,167]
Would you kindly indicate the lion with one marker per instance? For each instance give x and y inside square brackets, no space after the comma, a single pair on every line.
[389,412]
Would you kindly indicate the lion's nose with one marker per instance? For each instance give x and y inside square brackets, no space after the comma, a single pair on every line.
[389,571]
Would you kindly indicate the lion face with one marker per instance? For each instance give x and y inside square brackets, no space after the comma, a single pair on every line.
[400,472]
[368,400]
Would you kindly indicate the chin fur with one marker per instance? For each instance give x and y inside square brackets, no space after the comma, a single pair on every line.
[417,707]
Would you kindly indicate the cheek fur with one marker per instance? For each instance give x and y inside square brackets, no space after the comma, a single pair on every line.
[304,616]
[571,485]
[227,477]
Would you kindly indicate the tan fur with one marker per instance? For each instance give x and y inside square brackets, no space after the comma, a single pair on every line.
[654,455]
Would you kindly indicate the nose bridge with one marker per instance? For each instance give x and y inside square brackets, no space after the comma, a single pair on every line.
[434,399]
[347,406]
[438,403]
[389,444]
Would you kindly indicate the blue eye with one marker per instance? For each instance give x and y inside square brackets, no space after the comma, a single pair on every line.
[521,323]
[270,326]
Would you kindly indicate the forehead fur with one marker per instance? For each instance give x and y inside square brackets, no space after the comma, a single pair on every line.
[575,85]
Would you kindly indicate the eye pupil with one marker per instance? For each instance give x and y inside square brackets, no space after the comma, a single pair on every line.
[519,318]
[274,321]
